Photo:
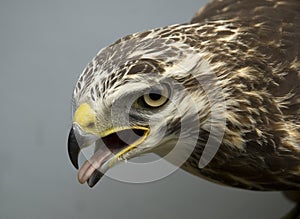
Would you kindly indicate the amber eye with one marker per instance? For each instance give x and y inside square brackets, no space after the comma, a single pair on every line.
[157,96]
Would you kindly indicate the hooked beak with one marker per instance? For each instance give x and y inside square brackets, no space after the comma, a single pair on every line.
[108,149]
[73,148]
[78,139]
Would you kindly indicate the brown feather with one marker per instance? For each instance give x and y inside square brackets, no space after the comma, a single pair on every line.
[265,60]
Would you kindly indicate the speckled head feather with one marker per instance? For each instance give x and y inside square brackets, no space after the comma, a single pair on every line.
[253,49]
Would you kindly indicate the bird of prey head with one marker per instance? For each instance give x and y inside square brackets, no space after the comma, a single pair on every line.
[133,98]
[228,74]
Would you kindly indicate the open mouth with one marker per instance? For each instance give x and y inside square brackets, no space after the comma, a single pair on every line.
[123,140]
[108,150]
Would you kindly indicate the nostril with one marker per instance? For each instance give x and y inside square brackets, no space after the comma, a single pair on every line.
[90,125]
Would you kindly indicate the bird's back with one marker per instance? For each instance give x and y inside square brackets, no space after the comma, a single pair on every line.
[265,61]
[275,30]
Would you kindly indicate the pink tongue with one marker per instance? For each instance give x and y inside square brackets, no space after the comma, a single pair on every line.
[89,166]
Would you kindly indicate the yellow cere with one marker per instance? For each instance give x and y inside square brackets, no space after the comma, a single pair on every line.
[85,117]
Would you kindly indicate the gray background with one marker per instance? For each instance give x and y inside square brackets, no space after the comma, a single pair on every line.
[44,46]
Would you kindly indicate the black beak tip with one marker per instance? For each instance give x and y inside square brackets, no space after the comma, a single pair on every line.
[73,148]
[94,179]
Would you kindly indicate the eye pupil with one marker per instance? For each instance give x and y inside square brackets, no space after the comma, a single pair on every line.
[155,96]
